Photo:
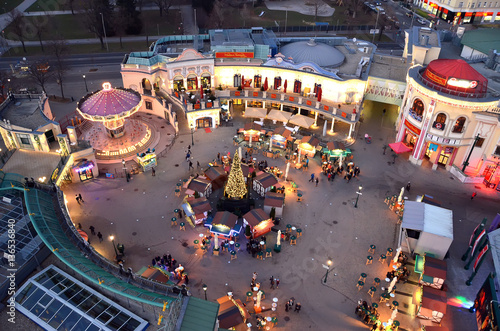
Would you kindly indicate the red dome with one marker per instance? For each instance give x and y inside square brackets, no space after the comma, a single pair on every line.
[455,77]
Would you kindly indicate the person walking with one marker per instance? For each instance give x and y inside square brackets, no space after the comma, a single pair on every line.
[297,307]
[312,178]
[191,165]
[408,186]
[153,172]
[80,197]
[79,226]
[317,181]
[198,164]
[92,230]
[77,198]
[99,235]
[473,195]
[272,282]
[287,306]
[218,156]
[254,276]
[277,282]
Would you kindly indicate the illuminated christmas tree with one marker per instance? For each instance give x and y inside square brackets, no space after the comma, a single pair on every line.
[235,186]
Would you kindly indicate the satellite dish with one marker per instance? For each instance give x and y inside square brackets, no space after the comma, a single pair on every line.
[353,40]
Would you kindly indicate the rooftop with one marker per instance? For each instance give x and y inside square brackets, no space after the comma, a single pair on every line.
[389,67]
[32,164]
[482,40]
[426,37]
[312,51]
[24,111]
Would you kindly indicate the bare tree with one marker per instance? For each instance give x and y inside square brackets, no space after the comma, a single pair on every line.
[39,72]
[59,50]
[16,23]
[354,6]
[40,26]
[316,4]
[163,5]
[119,22]
[97,11]
[217,14]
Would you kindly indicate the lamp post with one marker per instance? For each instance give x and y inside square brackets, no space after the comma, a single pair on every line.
[125,169]
[112,238]
[358,194]
[192,131]
[327,267]
[205,287]
[104,30]
[86,87]
[466,163]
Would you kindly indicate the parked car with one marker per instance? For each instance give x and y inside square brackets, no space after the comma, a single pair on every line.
[409,14]
[421,21]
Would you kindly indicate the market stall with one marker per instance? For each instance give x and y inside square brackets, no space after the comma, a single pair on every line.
[276,201]
[426,229]
[280,137]
[232,314]
[202,185]
[197,208]
[307,146]
[217,176]
[264,183]
[147,160]
[247,171]
[432,272]
[259,221]
[252,131]
[430,303]
[334,150]
[224,225]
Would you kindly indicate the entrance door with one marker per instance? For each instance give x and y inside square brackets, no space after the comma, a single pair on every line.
[443,158]
[50,136]
[205,122]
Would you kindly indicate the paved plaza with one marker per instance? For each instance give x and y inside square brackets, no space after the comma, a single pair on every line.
[138,215]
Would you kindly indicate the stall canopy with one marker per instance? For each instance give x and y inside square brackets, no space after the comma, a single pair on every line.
[311,140]
[435,301]
[302,120]
[252,126]
[255,112]
[434,273]
[399,147]
[282,131]
[434,226]
[335,145]
[231,312]
[278,115]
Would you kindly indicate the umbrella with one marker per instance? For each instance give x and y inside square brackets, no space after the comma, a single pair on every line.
[266,86]
[301,120]
[278,115]
[242,82]
[320,92]
[399,147]
[391,286]
[278,241]
[401,194]
[216,242]
[284,86]
[255,112]
[259,297]
[201,91]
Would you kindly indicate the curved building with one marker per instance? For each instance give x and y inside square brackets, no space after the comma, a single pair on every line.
[310,51]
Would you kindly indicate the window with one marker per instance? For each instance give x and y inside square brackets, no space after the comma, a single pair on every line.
[460,4]
[25,139]
[480,142]
[472,5]
[149,105]
[417,110]
[485,4]
[413,234]
[497,150]
[459,125]
[440,121]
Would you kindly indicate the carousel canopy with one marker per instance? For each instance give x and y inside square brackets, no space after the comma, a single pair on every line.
[252,126]
[255,216]
[313,141]
[301,120]
[282,131]
[278,115]
[116,102]
[255,112]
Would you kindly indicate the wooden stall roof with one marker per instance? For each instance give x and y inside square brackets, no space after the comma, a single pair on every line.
[200,205]
[252,126]
[274,199]
[434,268]
[255,216]
[266,179]
[282,131]
[313,141]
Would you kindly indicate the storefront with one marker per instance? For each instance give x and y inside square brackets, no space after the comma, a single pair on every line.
[192,82]
[205,122]
[84,170]
[178,83]
[208,118]
[206,81]
[147,160]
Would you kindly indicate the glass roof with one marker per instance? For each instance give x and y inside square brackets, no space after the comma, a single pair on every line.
[56,301]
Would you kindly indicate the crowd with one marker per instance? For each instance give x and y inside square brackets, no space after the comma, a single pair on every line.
[169,264]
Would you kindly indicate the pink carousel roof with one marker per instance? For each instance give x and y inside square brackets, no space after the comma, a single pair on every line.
[109,101]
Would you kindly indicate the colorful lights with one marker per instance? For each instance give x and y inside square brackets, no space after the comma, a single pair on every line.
[460,301]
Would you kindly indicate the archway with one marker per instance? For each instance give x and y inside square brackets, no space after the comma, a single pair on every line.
[178,83]
[146,86]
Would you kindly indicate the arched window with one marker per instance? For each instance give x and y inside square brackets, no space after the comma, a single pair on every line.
[417,110]
[459,125]
[440,121]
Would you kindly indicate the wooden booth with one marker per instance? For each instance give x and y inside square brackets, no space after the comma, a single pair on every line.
[433,272]
[307,146]
[252,131]
[276,201]
[232,314]
[264,182]
[224,225]
[202,185]
[197,209]
[260,222]
[217,176]
[280,137]
[430,304]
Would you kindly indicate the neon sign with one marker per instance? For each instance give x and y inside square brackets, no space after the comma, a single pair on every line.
[85,168]
[462,83]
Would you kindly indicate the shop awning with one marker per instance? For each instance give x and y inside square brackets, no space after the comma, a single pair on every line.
[335,145]
[255,112]
[278,115]
[399,147]
[301,120]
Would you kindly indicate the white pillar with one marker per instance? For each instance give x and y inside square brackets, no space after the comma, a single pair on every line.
[351,128]
[246,104]
[250,144]
[316,119]
[299,111]
[324,128]
[281,107]
[333,122]
[263,104]
[239,152]
[286,172]
[270,143]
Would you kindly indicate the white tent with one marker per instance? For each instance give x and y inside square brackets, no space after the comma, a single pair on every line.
[255,112]
[426,229]
[277,115]
[302,120]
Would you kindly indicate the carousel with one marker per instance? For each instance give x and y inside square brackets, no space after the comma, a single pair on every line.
[116,131]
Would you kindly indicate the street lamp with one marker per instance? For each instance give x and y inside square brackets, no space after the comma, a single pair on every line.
[86,87]
[192,131]
[112,238]
[125,169]
[358,193]
[104,30]
[205,287]
[327,267]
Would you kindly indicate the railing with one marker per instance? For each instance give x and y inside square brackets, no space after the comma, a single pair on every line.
[441,88]
[127,276]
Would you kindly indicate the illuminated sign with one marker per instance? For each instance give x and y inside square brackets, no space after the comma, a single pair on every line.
[85,168]
[412,127]
[462,83]
[435,78]
[243,55]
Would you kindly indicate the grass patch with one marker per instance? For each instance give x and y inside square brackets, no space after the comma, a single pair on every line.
[51,5]
[82,49]
[422,13]
[9,5]
[73,26]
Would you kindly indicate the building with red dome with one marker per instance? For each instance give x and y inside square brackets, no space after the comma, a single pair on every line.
[445,107]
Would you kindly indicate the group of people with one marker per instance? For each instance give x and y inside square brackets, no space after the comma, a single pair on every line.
[254,246]
[330,170]
[368,314]
[165,262]
[289,305]
[401,272]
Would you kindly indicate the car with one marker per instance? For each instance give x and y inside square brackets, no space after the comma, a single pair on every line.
[409,14]
[421,21]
